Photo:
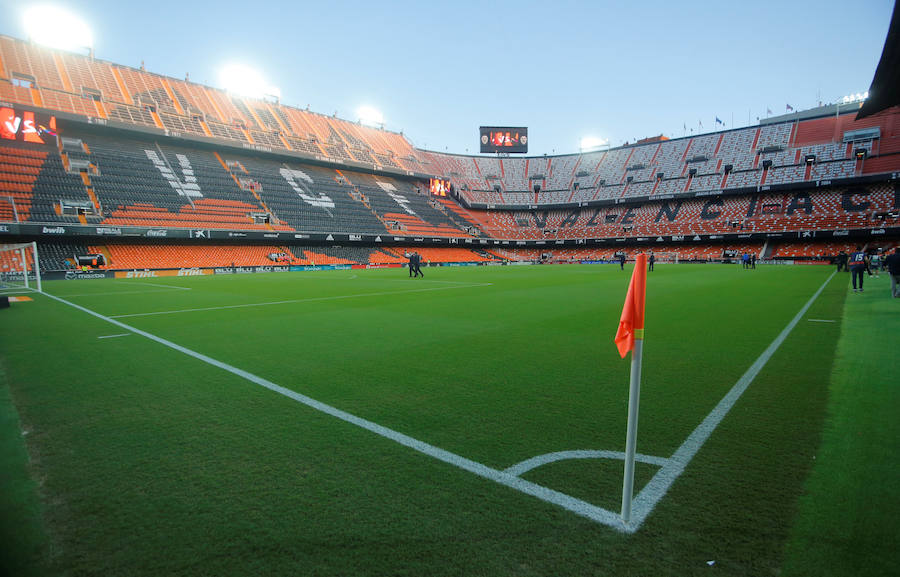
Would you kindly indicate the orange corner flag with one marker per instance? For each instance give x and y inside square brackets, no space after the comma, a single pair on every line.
[631,325]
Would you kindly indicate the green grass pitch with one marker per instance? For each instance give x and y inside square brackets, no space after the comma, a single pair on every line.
[147,461]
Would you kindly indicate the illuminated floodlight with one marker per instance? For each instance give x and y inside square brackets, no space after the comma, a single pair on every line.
[593,142]
[858,97]
[370,116]
[57,28]
[246,81]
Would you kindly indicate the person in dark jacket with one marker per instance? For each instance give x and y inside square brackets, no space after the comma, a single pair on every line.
[859,262]
[892,263]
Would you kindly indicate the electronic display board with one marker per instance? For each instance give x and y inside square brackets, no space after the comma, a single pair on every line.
[504,139]
[27,126]
[439,186]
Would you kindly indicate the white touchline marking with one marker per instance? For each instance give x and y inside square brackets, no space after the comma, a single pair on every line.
[114,336]
[644,503]
[541,460]
[821,321]
[306,300]
[659,485]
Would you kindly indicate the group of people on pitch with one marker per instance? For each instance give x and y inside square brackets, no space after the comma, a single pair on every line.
[861,264]
[415,262]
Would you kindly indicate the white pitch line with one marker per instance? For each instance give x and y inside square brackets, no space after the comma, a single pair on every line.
[572,504]
[114,293]
[533,463]
[114,336]
[181,288]
[652,493]
[306,300]
[659,485]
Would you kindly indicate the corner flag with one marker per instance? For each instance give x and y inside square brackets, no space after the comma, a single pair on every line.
[630,337]
[631,324]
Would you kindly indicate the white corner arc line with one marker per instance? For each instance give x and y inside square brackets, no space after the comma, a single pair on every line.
[289,301]
[659,485]
[567,502]
[533,463]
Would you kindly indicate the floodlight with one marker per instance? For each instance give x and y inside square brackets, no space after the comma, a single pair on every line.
[246,81]
[370,116]
[57,28]
[590,142]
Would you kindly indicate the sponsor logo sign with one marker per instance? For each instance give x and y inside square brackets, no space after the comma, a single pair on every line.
[109,230]
[54,230]
[157,232]
[140,274]
[191,272]
[76,275]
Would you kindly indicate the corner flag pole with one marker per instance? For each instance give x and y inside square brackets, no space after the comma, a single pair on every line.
[630,337]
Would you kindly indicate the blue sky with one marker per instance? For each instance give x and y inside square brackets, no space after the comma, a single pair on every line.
[566,69]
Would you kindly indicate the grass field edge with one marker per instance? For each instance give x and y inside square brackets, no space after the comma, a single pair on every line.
[846,520]
[21,523]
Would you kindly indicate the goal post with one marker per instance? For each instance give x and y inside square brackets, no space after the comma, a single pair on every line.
[670,257]
[20,267]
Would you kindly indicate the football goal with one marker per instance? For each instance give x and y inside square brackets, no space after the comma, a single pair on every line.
[19,267]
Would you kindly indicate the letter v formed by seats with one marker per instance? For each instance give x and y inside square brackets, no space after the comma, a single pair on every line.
[186,187]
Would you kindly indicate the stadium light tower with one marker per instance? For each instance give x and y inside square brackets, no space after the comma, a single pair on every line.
[57,28]
[245,81]
[589,143]
[370,116]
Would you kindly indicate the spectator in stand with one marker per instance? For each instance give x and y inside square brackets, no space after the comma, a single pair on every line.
[892,262]
[859,262]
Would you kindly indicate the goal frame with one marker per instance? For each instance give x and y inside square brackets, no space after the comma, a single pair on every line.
[23,250]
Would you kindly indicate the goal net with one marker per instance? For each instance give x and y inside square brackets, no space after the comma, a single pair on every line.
[666,257]
[19,268]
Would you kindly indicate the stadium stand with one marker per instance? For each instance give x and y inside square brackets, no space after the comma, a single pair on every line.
[258,165]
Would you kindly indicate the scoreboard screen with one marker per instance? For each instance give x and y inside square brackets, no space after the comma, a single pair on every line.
[439,186]
[504,139]
[27,126]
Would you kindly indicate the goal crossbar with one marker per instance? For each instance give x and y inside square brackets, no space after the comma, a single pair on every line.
[20,267]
